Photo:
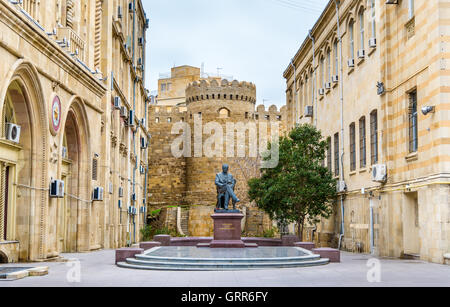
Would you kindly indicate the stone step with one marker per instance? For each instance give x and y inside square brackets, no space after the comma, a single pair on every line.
[142,259]
[135,264]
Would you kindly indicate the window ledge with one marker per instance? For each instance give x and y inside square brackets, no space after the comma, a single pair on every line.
[335,84]
[321,97]
[327,91]
[350,70]
[371,50]
[360,61]
[363,170]
[352,173]
[412,157]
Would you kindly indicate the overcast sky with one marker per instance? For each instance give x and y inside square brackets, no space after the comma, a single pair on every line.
[252,40]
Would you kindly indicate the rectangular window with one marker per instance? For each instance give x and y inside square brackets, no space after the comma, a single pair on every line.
[362,143]
[352,147]
[373,16]
[322,72]
[413,129]
[329,66]
[163,87]
[329,155]
[374,137]
[336,155]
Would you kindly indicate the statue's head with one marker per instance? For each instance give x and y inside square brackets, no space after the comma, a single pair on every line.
[225,168]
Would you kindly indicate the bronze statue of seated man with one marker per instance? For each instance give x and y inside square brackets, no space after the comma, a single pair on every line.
[225,189]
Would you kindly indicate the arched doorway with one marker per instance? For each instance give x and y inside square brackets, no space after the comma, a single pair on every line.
[23,162]
[72,215]
[3,258]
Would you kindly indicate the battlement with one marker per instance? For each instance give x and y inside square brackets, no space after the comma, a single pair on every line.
[225,90]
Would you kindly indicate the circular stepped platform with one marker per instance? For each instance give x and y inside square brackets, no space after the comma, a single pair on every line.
[195,259]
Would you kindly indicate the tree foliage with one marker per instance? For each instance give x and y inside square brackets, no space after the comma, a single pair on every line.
[300,188]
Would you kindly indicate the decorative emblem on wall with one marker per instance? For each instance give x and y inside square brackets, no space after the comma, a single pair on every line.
[56,112]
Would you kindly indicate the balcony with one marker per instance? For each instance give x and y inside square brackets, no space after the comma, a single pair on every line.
[75,42]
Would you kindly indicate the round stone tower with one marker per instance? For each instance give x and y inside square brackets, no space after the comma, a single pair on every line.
[212,106]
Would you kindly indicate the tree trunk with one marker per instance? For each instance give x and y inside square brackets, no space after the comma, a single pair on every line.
[300,225]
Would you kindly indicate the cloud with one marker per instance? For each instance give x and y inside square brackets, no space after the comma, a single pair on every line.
[253,40]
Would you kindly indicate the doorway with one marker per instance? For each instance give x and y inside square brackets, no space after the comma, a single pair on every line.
[411,225]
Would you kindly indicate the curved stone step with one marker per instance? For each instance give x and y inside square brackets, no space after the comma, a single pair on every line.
[141,265]
[148,258]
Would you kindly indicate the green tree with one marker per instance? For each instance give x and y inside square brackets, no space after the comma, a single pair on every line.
[300,188]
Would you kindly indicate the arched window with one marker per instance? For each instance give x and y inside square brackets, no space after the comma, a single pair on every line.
[373,16]
[336,58]
[224,113]
[361,29]
[328,65]
[322,72]
[351,39]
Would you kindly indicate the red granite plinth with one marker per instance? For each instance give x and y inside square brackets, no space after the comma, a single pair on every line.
[333,254]
[149,245]
[289,240]
[123,253]
[227,231]
[306,245]
[163,239]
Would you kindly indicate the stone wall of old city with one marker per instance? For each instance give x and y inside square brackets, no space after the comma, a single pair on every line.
[212,109]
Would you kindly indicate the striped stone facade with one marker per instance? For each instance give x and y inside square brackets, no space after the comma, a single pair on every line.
[404,49]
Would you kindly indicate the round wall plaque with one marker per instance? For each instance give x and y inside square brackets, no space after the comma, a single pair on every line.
[55,121]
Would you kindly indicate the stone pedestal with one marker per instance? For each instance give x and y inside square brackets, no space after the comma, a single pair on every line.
[227,231]
[163,239]
[306,245]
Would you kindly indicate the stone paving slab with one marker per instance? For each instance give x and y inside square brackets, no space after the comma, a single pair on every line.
[98,270]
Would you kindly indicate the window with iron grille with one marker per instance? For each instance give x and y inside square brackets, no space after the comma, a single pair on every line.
[336,155]
[362,143]
[329,155]
[374,136]
[413,117]
[94,169]
[352,147]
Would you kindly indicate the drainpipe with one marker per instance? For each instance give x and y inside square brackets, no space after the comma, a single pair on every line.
[294,108]
[314,102]
[372,241]
[341,93]
[134,112]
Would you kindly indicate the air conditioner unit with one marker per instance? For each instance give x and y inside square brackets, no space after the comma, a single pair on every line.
[143,209]
[119,12]
[361,53]
[341,186]
[309,111]
[351,63]
[321,91]
[97,195]
[123,112]
[133,197]
[379,173]
[142,169]
[120,192]
[57,189]
[134,211]
[335,78]
[64,153]
[117,103]
[13,132]
[143,122]
[327,85]
[130,210]
[372,42]
[120,204]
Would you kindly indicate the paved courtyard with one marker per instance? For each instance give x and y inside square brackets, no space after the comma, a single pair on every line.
[98,270]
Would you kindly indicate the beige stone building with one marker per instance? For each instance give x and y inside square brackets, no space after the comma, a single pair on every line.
[73,155]
[187,182]
[389,145]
